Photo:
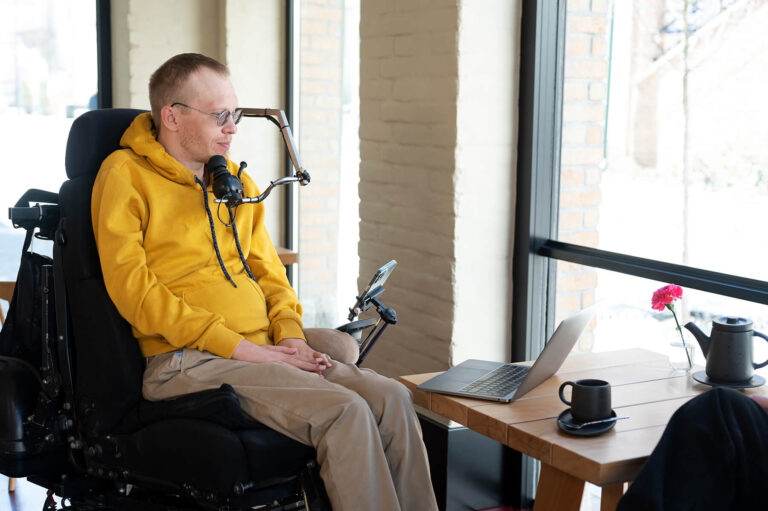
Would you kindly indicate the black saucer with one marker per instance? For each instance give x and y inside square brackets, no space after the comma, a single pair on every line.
[566,418]
[755,381]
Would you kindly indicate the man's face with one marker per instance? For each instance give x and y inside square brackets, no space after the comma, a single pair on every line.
[199,136]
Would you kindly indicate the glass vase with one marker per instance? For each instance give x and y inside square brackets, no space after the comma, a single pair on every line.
[678,358]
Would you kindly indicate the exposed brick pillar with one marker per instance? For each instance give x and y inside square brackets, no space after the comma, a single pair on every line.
[408,85]
[436,175]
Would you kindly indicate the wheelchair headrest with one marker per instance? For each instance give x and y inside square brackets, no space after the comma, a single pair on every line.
[94,136]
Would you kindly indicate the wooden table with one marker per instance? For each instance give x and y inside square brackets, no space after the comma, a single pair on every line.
[287,256]
[643,387]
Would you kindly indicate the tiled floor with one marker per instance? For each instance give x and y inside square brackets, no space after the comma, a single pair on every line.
[27,497]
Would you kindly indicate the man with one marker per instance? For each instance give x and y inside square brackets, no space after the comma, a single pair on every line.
[205,315]
[712,456]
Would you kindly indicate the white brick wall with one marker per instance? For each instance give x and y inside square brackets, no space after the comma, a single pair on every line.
[406,188]
[437,132]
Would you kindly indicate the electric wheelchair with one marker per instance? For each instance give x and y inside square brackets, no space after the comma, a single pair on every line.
[77,423]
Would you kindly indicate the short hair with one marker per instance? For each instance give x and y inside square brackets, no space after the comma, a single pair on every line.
[167,79]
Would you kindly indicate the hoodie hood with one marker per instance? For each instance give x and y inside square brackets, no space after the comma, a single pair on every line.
[141,137]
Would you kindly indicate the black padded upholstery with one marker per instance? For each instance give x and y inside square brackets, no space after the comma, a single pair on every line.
[156,451]
[93,137]
[267,444]
[102,339]
[103,403]
[201,440]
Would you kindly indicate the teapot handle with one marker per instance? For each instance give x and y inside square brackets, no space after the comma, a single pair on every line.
[758,334]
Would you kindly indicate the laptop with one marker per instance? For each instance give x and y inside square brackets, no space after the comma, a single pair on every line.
[498,381]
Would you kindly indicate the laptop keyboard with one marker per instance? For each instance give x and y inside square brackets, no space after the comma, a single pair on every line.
[499,382]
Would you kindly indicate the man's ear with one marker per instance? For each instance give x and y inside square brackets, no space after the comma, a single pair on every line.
[168,118]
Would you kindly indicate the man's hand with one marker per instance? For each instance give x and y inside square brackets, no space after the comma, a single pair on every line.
[286,355]
[304,352]
[761,400]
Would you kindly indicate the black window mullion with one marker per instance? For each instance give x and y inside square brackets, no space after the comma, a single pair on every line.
[695,278]
[291,26]
[540,110]
[104,54]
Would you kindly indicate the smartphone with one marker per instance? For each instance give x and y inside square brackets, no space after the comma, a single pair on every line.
[375,286]
[378,280]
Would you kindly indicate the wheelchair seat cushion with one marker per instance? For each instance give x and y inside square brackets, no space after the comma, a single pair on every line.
[204,455]
[271,454]
[220,406]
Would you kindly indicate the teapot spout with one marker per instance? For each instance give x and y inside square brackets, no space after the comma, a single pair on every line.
[700,336]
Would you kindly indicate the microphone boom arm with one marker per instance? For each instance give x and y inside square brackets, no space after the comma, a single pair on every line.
[277,116]
[272,184]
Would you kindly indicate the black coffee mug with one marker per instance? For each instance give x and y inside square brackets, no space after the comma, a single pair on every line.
[590,399]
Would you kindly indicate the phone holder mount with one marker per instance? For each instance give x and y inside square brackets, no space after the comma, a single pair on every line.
[228,189]
[387,316]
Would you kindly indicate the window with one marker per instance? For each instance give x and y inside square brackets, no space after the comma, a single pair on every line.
[639,165]
[48,55]
[660,153]
[328,113]
[647,160]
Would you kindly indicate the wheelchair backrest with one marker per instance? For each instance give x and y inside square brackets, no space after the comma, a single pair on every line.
[107,363]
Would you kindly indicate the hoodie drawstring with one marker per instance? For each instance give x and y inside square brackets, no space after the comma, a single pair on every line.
[215,242]
[213,231]
[237,243]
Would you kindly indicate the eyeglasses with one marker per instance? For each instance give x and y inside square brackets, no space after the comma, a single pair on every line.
[221,117]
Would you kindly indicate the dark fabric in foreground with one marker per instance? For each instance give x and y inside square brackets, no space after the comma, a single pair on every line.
[713,455]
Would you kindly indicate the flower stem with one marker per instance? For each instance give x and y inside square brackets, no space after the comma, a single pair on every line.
[685,347]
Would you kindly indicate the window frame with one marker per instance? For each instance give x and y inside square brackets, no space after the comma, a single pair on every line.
[542,54]
[104,53]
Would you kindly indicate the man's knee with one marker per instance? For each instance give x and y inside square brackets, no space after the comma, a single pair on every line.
[351,406]
[391,393]
[398,391]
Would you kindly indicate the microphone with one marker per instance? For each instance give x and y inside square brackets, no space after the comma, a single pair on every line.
[226,187]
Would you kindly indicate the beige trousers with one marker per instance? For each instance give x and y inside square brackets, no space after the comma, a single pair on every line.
[361,424]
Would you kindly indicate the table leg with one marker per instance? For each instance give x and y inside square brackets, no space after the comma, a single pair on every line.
[610,496]
[558,491]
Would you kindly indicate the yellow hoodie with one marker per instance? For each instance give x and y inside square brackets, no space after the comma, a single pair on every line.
[157,255]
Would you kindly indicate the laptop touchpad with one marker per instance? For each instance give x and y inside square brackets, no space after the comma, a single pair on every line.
[467,374]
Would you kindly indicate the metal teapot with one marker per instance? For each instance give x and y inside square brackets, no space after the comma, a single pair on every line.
[728,349]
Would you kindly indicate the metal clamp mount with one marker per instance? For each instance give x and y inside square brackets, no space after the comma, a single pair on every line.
[277,117]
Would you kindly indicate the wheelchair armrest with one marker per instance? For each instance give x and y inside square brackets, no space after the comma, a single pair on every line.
[357,326]
[338,345]
[220,406]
